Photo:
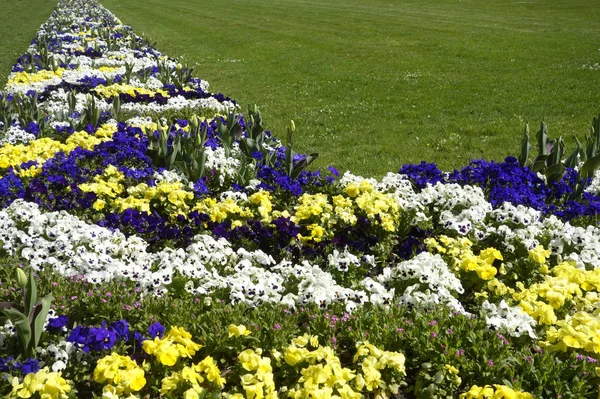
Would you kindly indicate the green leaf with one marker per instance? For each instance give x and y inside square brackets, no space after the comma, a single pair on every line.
[30,294]
[571,160]
[525,147]
[555,172]
[542,137]
[589,167]
[596,128]
[37,321]
[539,163]
[558,149]
[21,323]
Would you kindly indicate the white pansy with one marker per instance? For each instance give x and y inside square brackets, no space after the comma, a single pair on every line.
[16,135]
[511,320]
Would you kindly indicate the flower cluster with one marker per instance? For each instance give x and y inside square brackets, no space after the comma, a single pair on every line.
[120,375]
[45,383]
[168,349]
[496,392]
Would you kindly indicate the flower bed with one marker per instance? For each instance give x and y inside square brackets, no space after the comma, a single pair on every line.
[184,251]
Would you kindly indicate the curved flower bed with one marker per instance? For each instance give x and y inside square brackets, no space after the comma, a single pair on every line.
[190,253]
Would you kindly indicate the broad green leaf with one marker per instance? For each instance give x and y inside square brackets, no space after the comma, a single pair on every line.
[571,160]
[542,137]
[589,167]
[555,172]
[539,163]
[21,323]
[38,320]
[30,294]
[525,147]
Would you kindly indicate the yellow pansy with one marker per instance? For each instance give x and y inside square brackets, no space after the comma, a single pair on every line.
[237,331]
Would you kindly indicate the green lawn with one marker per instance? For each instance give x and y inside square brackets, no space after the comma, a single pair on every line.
[19,20]
[373,84]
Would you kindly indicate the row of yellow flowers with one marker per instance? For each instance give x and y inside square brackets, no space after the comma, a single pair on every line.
[564,290]
[315,371]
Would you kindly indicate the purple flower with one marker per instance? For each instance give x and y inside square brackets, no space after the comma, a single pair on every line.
[30,366]
[79,336]
[156,330]
[5,365]
[102,338]
[121,328]
[57,324]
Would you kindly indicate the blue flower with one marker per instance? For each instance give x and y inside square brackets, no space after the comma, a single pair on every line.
[6,364]
[139,337]
[334,171]
[57,324]
[156,330]
[79,336]
[121,328]
[30,366]
[101,338]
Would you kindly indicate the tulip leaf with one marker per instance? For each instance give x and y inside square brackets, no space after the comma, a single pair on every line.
[525,147]
[37,320]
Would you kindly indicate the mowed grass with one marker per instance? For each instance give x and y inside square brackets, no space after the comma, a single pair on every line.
[19,21]
[374,84]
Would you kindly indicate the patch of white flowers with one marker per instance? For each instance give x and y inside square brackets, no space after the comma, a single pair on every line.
[16,135]
[428,280]
[511,320]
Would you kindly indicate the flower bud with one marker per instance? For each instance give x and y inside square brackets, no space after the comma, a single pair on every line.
[207,301]
[21,277]
[292,126]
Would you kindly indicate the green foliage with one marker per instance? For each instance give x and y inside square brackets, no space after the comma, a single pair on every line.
[392,85]
[186,154]
[550,162]
[28,319]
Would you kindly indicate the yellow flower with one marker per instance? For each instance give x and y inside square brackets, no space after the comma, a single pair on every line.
[181,336]
[55,386]
[169,383]
[237,331]
[489,255]
[486,272]
[99,204]
[371,375]
[249,359]
[477,392]
[192,393]
[346,392]
[135,378]
[294,355]
[301,340]
[190,375]
[164,350]
[314,341]
[31,384]
[539,254]
[352,190]
[451,369]
[213,374]
[502,391]
[121,371]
